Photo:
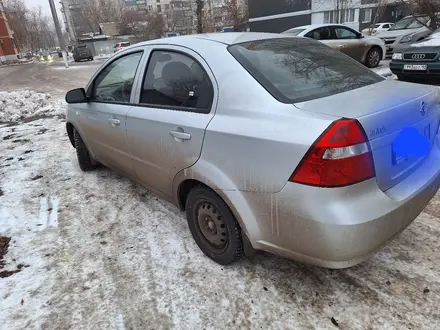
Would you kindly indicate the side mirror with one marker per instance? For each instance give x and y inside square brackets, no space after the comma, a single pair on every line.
[76,96]
[360,36]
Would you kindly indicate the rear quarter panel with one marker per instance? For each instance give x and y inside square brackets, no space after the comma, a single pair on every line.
[254,142]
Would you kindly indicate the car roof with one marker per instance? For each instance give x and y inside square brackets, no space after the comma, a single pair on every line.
[309,27]
[227,38]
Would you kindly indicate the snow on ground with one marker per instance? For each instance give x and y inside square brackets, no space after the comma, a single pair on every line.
[71,67]
[383,69]
[20,105]
[103,56]
[105,253]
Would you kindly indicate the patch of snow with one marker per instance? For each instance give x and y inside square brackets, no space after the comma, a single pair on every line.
[71,67]
[383,71]
[20,105]
[103,56]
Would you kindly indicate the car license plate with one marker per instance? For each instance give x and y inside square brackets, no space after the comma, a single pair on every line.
[415,67]
[398,159]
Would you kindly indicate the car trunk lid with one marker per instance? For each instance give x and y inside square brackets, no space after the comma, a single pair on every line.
[384,109]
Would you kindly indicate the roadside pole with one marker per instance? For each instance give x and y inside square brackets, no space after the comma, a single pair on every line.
[59,34]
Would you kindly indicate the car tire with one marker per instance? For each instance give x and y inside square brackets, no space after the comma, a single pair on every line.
[374,56]
[86,163]
[213,226]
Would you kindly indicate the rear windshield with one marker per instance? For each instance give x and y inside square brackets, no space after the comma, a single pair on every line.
[294,32]
[299,69]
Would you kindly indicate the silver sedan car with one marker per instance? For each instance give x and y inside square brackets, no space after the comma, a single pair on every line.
[267,142]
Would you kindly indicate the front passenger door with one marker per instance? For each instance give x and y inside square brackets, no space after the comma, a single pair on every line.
[165,132]
[349,43]
[103,118]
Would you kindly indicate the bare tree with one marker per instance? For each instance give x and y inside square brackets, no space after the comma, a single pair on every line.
[142,23]
[427,8]
[208,18]
[237,12]
[200,4]
[95,12]
[33,30]
[180,19]
[380,10]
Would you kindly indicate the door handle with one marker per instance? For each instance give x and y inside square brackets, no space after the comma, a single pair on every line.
[180,135]
[114,121]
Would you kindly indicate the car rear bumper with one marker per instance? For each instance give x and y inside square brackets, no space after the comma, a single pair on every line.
[340,227]
[433,69]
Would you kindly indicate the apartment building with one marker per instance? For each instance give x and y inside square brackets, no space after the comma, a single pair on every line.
[74,21]
[8,49]
[280,15]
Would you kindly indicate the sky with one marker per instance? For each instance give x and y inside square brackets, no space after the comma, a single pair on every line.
[45,5]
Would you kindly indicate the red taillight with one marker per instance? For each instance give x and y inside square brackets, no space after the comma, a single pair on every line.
[341,156]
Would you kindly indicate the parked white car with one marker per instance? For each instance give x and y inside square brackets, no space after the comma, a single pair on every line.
[368,50]
[406,31]
[377,29]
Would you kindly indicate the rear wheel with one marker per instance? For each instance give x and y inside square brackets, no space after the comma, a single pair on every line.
[374,56]
[86,163]
[213,226]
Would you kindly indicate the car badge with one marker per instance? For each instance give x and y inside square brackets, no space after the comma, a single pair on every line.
[423,108]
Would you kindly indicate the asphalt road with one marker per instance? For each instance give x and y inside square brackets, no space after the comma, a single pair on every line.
[51,78]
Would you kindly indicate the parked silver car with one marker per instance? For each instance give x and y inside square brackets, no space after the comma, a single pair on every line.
[406,31]
[368,50]
[267,141]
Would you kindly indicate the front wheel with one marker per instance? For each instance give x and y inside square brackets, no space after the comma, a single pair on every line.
[373,57]
[213,226]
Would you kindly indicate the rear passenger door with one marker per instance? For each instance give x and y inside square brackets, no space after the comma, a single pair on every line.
[177,101]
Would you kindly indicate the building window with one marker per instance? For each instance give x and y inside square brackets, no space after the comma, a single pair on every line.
[345,16]
[159,9]
[150,7]
[167,6]
[329,17]
[368,13]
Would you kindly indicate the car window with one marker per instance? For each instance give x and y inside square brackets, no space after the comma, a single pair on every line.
[300,69]
[114,83]
[410,23]
[176,80]
[294,32]
[320,34]
[343,33]
[386,26]
[376,26]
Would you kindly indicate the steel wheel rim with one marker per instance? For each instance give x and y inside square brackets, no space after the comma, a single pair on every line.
[374,58]
[212,226]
